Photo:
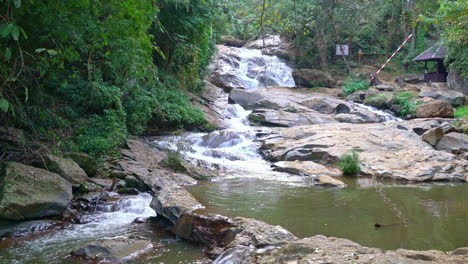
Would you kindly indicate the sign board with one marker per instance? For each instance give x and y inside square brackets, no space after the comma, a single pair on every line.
[359,54]
[342,50]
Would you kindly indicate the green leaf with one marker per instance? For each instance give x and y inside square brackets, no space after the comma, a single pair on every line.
[4,104]
[52,52]
[17,3]
[24,33]
[7,54]
[5,29]
[15,33]
[40,50]
[26,93]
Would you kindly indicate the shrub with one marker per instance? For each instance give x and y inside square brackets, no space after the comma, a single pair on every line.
[349,163]
[461,112]
[351,85]
[291,109]
[407,104]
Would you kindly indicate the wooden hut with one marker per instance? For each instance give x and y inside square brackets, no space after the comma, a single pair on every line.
[437,54]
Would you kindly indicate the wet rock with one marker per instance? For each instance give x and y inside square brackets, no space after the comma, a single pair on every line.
[251,99]
[435,108]
[134,182]
[433,136]
[211,230]
[451,96]
[274,45]
[327,105]
[173,203]
[116,249]
[217,139]
[66,168]
[127,191]
[88,164]
[27,192]
[304,168]
[87,187]
[357,97]
[212,102]
[454,143]
[250,69]
[105,183]
[385,150]
[410,78]
[17,229]
[330,181]
[312,78]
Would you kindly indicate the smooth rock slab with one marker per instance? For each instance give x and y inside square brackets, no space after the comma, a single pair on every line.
[385,149]
[28,193]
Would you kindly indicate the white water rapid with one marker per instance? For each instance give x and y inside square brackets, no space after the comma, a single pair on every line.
[250,69]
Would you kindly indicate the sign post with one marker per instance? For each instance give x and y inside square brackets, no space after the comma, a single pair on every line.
[359,54]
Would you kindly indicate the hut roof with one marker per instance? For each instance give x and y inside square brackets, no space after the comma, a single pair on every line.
[433,53]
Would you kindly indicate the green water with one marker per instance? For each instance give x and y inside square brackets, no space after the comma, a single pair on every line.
[414,216]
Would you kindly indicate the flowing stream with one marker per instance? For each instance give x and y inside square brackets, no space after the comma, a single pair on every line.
[111,221]
[413,216]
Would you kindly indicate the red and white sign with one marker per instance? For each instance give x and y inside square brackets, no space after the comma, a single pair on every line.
[342,50]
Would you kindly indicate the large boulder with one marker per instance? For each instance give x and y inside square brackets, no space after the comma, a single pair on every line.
[66,168]
[312,78]
[435,108]
[11,138]
[27,192]
[454,143]
[451,96]
[88,164]
[232,42]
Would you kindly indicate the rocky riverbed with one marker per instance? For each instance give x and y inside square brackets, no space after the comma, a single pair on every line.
[136,208]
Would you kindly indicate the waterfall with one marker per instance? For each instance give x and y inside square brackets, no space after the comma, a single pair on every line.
[250,69]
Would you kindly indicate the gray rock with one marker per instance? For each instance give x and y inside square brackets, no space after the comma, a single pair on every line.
[218,138]
[330,181]
[384,87]
[381,154]
[433,136]
[116,249]
[274,45]
[410,78]
[451,96]
[88,164]
[66,168]
[134,182]
[28,193]
[454,143]
[312,78]
[173,203]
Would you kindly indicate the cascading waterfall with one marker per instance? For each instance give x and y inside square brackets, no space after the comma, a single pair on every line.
[384,116]
[250,69]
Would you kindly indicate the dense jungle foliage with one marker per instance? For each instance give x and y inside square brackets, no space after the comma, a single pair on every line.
[83,74]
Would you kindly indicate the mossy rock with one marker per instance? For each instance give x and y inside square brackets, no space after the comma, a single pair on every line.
[29,193]
[66,168]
